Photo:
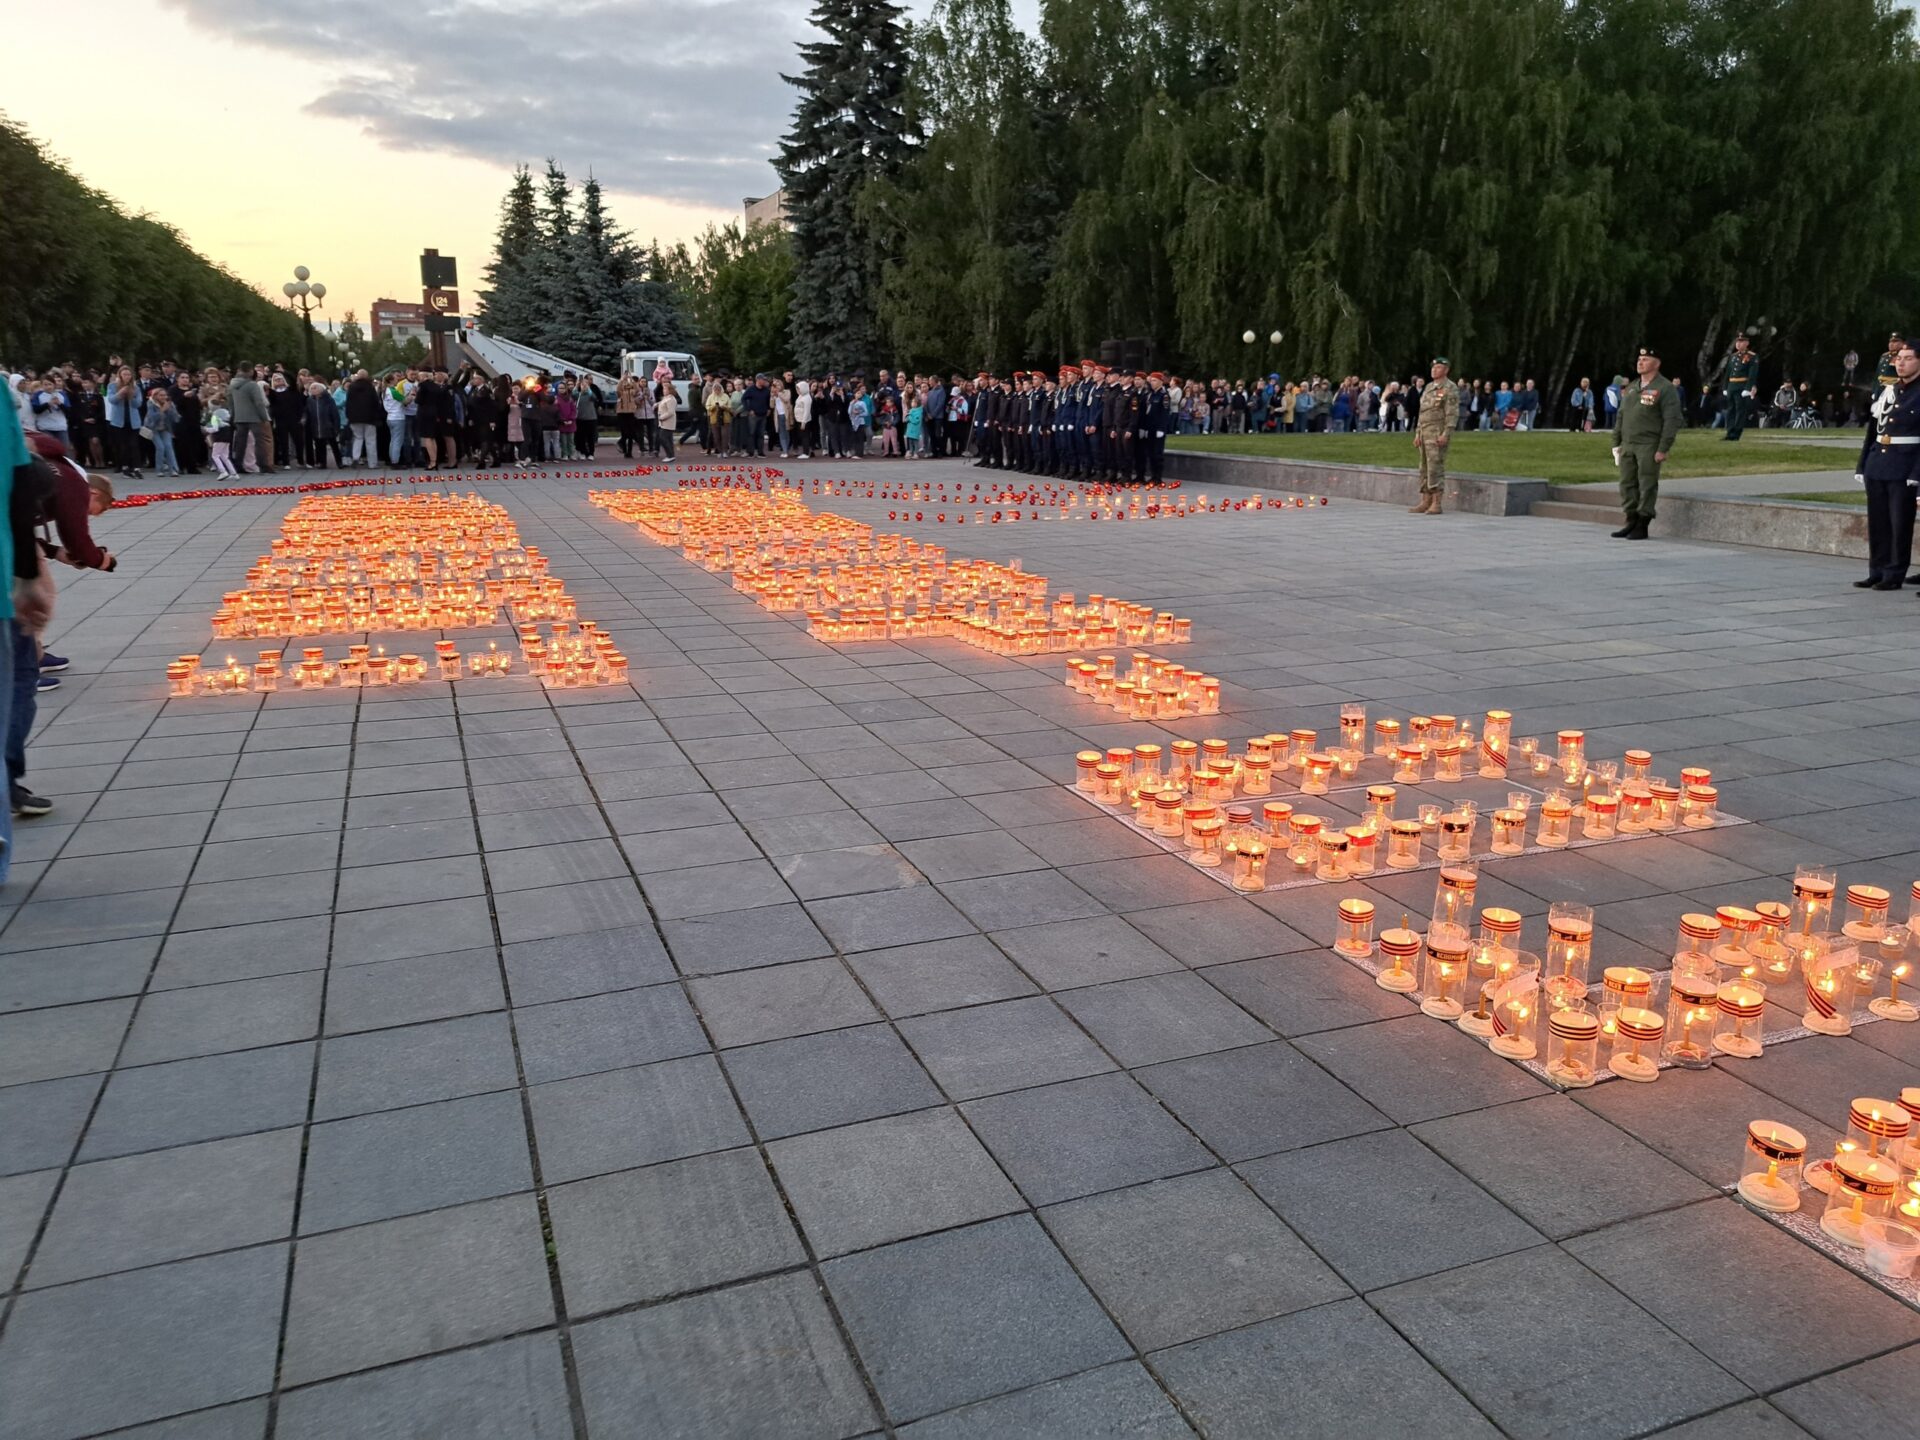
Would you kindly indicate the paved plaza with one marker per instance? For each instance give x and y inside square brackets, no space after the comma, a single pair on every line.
[776,1048]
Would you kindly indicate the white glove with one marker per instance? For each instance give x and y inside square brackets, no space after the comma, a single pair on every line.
[1860,480]
[1616,455]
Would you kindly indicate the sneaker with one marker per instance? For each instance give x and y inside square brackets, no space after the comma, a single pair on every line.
[28,804]
[52,664]
[46,683]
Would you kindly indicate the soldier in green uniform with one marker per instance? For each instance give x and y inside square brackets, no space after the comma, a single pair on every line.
[1743,383]
[1643,433]
[1887,373]
[1432,432]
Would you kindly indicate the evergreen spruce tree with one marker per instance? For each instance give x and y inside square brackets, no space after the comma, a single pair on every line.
[506,301]
[850,130]
[623,306]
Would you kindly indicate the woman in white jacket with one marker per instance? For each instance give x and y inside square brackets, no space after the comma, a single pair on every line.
[803,417]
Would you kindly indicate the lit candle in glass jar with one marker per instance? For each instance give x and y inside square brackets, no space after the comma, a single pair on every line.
[1402,947]
[1495,735]
[1516,1014]
[1770,1166]
[1445,977]
[1355,937]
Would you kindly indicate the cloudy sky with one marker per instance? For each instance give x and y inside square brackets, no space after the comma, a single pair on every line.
[349,135]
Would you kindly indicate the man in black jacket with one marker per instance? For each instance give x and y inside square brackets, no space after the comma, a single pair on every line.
[363,419]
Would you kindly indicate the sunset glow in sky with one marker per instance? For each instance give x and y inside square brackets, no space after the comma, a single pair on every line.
[351,136]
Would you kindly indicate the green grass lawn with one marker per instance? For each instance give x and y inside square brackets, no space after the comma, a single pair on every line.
[1855,498]
[1560,456]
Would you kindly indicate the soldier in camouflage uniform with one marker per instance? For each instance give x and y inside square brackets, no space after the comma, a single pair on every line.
[1432,432]
[1643,432]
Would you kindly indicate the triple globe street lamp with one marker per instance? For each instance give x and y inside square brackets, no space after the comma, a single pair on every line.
[306,298]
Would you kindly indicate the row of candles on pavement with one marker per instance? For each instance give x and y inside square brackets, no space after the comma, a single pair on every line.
[1185,791]
[1871,1182]
[342,564]
[854,585]
[562,658]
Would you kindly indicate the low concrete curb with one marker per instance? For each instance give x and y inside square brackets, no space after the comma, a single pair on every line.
[1474,494]
[1728,520]
[1756,521]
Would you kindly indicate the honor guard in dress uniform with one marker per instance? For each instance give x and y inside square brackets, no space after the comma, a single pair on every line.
[1643,432]
[1890,469]
[1133,413]
[1886,372]
[1065,423]
[1113,427]
[1150,440]
[1433,432]
[984,441]
[1743,383]
[1046,455]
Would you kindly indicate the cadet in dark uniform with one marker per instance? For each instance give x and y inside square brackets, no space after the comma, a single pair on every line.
[985,442]
[1890,468]
[1013,433]
[1155,424]
[1743,383]
[1643,433]
[1096,424]
[1065,423]
[1046,457]
[1113,426]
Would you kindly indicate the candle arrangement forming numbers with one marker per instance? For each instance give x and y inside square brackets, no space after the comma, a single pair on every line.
[1167,791]
[425,562]
[1866,1194]
[855,585]
[1012,504]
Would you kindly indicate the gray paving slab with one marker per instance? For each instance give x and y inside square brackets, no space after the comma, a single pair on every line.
[1519,1336]
[425,1157]
[955,1317]
[816,1082]
[513,1390]
[1332,1371]
[762,1361]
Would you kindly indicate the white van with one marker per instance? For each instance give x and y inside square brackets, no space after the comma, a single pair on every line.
[685,370]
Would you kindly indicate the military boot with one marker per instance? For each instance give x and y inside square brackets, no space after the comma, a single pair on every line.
[1426,504]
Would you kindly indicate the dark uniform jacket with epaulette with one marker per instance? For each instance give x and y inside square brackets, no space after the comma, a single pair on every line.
[1891,450]
[1066,408]
[1155,414]
[1113,414]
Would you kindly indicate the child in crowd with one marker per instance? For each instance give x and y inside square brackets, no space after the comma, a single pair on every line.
[162,417]
[217,421]
[916,421]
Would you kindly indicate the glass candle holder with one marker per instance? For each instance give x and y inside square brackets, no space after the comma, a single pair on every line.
[1456,835]
[1637,767]
[1516,1009]
[266,677]
[1829,978]
[1896,946]
[1636,810]
[1863,1191]
[1386,738]
[1770,1166]
[1185,755]
[1332,847]
[1250,865]
[1452,913]
[1509,832]
[1740,1009]
[1192,812]
[1666,806]
[1602,818]
[1622,986]
[1573,1048]
[1149,763]
[1169,819]
[1363,849]
[1354,928]
[1691,1012]
[1867,907]
[1699,807]
[1146,813]
[1738,926]
[1430,822]
[1572,755]
[1496,734]
[1110,782]
[1260,747]
[1316,773]
[1403,844]
[1303,840]
[1526,749]
[1892,1246]
[1208,695]
[1408,759]
[1814,887]
[1207,850]
[1879,1127]
[1353,727]
[1446,977]
[1257,775]
[1695,775]
[180,677]
[1402,948]
[1637,1031]
[1775,960]
[1420,731]
[1448,762]
[1490,963]
[1569,952]
[1216,752]
[1556,823]
[1300,744]
[1275,814]
[1380,803]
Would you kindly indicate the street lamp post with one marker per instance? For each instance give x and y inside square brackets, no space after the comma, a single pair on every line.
[305,298]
